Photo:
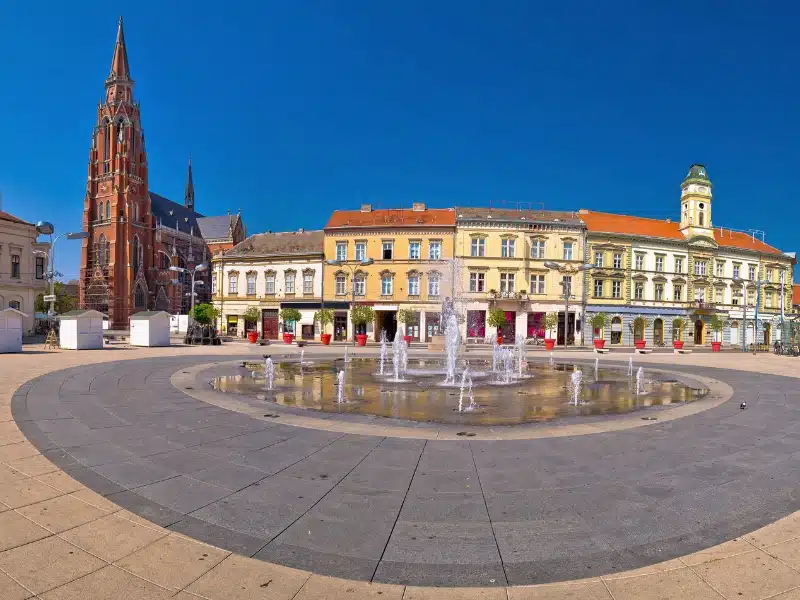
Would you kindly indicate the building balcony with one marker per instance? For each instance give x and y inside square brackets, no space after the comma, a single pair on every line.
[506,295]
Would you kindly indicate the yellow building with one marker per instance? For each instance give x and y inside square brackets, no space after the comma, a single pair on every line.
[391,260]
[509,259]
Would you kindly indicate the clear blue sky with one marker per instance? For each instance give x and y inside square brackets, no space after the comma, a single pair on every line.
[292,108]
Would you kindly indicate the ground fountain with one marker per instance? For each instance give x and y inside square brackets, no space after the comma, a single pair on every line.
[399,357]
[596,367]
[575,386]
[639,389]
[340,399]
[630,366]
[551,362]
[521,358]
[346,356]
[269,373]
[384,347]
[452,344]
[466,386]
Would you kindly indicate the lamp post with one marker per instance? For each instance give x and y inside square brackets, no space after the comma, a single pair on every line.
[352,268]
[567,287]
[46,228]
[758,284]
[193,272]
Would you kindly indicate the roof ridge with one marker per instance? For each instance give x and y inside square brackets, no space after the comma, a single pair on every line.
[668,220]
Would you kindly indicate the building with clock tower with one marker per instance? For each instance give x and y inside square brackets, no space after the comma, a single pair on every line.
[135,235]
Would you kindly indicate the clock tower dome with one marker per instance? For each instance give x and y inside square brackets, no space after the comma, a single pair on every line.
[696,203]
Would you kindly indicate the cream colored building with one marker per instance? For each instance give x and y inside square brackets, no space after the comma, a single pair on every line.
[270,271]
[23,267]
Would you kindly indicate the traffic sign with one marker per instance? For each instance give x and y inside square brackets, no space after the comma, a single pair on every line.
[49,298]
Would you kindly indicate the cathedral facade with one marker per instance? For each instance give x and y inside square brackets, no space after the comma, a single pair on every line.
[137,237]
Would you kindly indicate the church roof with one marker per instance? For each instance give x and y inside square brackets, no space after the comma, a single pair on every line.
[598,222]
[172,214]
[215,228]
[279,244]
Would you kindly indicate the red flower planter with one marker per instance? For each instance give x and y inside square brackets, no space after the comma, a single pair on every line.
[252,336]
[361,339]
[408,339]
[325,338]
[678,345]
[288,338]
[549,344]
[715,346]
[640,344]
[499,339]
[599,344]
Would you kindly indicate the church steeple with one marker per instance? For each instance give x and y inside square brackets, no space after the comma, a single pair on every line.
[188,196]
[696,203]
[119,84]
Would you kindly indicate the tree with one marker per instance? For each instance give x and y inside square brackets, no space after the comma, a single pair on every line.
[677,328]
[324,316]
[717,325]
[639,326]
[361,314]
[598,321]
[252,315]
[407,317]
[290,315]
[65,301]
[497,318]
[551,322]
[204,314]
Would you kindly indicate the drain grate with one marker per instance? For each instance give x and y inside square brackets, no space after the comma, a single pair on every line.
[466,434]
[272,415]
[649,418]
[189,388]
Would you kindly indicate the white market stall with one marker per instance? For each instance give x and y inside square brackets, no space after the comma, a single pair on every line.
[150,328]
[81,330]
[11,330]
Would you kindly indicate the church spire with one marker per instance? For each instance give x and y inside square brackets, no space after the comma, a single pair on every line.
[119,64]
[188,197]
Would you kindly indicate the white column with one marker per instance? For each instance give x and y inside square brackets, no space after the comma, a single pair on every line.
[422,325]
[522,323]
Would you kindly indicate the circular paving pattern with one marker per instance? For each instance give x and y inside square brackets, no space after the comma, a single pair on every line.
[420,511]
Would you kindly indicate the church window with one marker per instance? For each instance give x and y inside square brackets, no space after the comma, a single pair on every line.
[107,146]
[137,254]
[108,210]
[100,211]
[132,153]
[701,219]
[102,258]
[139,297]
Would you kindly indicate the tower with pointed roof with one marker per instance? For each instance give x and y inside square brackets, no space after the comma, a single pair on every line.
[188,196]
[696,204]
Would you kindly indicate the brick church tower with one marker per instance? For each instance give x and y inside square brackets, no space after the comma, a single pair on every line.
[117,257]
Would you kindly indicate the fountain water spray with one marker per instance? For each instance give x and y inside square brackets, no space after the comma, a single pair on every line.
[630,366]
[340,392]
[346,357]
[639,381]
[383,349]
[575,385]
[596,366]
[466,384]
[399,355]
[452,343]
[521,358]
[551,359]
[269,373]
[496,354]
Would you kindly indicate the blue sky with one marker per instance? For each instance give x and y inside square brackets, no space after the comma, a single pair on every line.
[292,108]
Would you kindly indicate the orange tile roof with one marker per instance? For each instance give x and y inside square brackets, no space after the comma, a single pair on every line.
[795,295]
[401,217]
[626,225]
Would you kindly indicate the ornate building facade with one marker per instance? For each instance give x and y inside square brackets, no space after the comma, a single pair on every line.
[135,235]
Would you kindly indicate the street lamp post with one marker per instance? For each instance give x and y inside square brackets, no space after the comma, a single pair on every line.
[198,269]
[758,284]
[46,228]
[567,287]
[352,268]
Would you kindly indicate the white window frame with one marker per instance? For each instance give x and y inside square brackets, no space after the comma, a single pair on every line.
[360,285]
[269,283]
[569,248]
[435,250]
[387,285]
[537,284]
[341,251]
[537,249]
[340,285]
[414,250]
[434,285]
[413,285]
[251,284]
[617,260]
[616,288]
[308,284]
[507,247]
[289,280]
[387,245]
[361,251]
[507,281]
[477,282]
[478,247]
[233,283]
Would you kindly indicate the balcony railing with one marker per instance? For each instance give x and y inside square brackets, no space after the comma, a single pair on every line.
[506,295]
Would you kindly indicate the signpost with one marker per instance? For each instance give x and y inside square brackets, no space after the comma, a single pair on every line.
[49,298]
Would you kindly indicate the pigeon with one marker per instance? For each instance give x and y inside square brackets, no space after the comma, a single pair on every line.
[743,405]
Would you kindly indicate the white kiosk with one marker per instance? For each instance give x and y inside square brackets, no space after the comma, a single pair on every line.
[81,330]
[11,330]
[150,328]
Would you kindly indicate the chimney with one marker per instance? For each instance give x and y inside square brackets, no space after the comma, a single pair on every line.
[366,208]
[583,211]
[418,206]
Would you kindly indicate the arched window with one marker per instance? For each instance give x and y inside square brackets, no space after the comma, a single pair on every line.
[139,297]
[15,304]
[108,210]
[137,254]
[107,146]
[100,211]
[701,219]
[132,152]
[102,258]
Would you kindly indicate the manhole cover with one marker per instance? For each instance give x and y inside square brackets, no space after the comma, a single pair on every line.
[466,434]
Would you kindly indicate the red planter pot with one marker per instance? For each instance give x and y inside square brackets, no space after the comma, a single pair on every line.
[408,338]
[549,344]
[715,346]
[677,345]
[361,339]
[288,338]
[499,339]
[325,338]
[640,344]
[599,344]
[252,336]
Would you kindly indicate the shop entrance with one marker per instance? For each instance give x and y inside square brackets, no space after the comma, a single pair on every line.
[698,333]
[385,320]
[570,329]
[340,326]
[269,324]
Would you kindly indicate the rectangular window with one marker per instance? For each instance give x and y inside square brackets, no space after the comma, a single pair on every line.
[289,283]
[388,250]
[15,266]
[735,296]
[751,297]
[270,283]
[598,259]
[566,284]
[413,285]
[433,285]
[700,267]
[598,288]
[233,284]
[568,250]
[659,290]
[537,284]
[735,271]
[639,262]
[678,264]
[361,251]
[638,290]
[478,247]
[768,300]
[40,267]
[617,260]
[341,285]
[506,282]
[537,249]
[507,248]
[700,294]
[477,282]
[213,283]
[616,289]
[341,250]
[720,268]
[718,296]
[659,263]
[677,293]
[308,284]
[386,285]
[435,250]
[414,250]
[359,285]
[751,272]
[251,284]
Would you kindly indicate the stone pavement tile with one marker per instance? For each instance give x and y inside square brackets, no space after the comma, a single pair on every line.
[62,513]
[724,550]
[46,564]
[790,595]
[93,480]
[668,565]
[61,481]
[434,593]
[133,473]
[182,494]
[26,491]
[589,590]
[16,530]
[11,590]
[152,511]
[173,561]
[33,465]
[748,576]
[111,537]
[330,563]
[94,499]
[8,474]
[669,585]
[229,476]
[788,552]
[239,578]
[16,451]
[775,533]
[319,587]
[109,583]
[221,537]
